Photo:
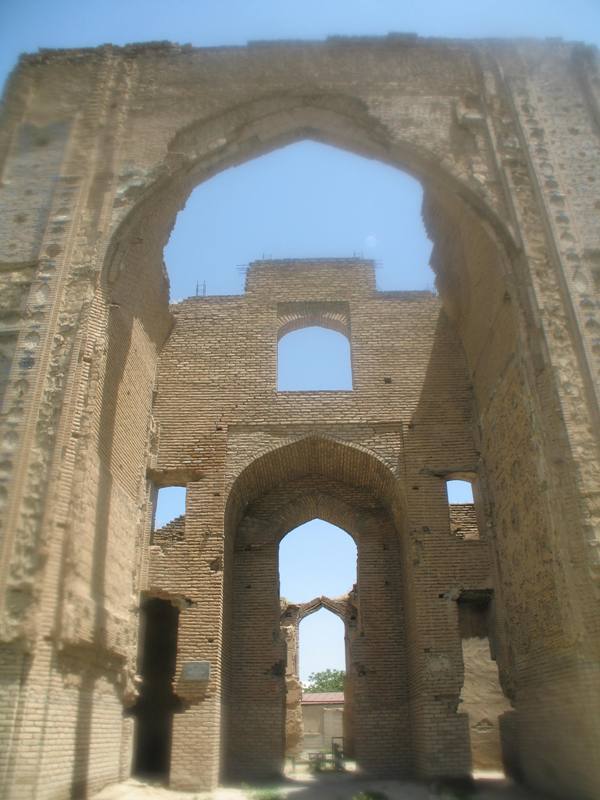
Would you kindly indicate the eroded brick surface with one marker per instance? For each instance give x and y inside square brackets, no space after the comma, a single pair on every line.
[108,393]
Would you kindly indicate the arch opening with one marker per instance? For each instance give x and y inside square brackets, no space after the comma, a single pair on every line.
[317,575]
[321,650]
[314,359]
[315,559]
[325,696]
[305,199]
[276,493]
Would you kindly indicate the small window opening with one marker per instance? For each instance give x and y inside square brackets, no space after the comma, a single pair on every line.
[482,698]
[314,359]
[156,705]
[461,506]
[170,506]
[459,491]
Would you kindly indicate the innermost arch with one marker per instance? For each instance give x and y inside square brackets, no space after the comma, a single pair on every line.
[304,200]
[316,559]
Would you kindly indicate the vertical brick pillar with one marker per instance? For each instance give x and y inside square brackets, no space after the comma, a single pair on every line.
[440,731]
[196,744]
[256,746]
[380,693]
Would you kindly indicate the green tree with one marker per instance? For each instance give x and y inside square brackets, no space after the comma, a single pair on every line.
[328,680]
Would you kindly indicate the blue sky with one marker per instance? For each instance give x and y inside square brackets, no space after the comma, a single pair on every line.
[304,200]
[28,24]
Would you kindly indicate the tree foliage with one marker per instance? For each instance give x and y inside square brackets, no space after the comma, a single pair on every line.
[328,680]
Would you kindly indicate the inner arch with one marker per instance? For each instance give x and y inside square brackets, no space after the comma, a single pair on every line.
[321,644]
[316,558]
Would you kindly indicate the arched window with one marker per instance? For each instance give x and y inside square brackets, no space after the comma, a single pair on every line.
[314,359]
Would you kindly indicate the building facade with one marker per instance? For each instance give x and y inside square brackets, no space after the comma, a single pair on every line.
[110,394]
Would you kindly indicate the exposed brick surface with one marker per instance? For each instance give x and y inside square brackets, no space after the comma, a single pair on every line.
[108,393]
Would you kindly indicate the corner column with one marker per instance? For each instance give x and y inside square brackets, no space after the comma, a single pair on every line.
[440,732]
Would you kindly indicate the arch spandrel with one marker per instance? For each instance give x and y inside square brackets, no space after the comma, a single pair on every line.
[320,455]
[239,134]
[290,505]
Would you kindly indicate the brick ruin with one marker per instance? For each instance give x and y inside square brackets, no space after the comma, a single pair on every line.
[292,614]
[109,394]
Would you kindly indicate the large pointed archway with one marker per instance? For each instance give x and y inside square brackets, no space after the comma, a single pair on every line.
[351,488]
[481,287]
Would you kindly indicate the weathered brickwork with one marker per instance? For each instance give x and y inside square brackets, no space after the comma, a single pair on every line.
[108,393]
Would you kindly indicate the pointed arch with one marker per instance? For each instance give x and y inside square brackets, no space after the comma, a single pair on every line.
[210,145]
[315,454]
[280,488]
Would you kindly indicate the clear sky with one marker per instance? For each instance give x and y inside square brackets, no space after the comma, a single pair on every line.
[26,25]
[304,200]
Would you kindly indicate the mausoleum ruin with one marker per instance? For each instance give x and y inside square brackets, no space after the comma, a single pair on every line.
[123,645]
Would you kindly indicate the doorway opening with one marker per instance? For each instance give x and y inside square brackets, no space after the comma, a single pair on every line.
[317,578]
[157,703]
[482,698]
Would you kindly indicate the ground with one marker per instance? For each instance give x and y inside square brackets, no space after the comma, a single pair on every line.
[326,787]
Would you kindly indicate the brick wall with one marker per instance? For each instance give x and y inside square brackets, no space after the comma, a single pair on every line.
[99,150]
[336,455]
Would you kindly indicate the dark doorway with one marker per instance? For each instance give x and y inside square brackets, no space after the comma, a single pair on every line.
[157,702]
